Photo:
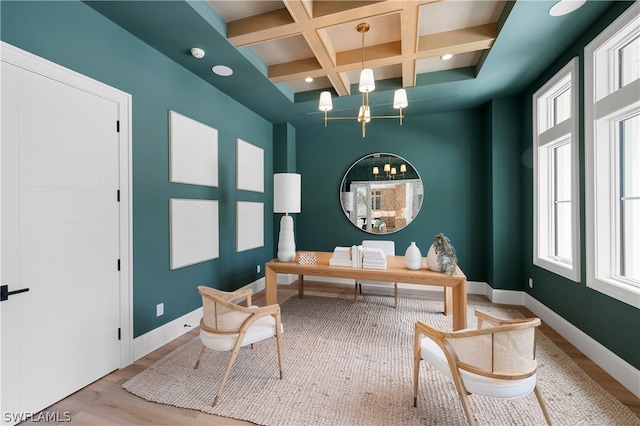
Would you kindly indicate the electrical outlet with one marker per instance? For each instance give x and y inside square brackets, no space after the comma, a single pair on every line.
[530,282]
[257,269]
[159,309]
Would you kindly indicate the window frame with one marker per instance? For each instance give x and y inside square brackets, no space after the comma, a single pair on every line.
[606,106]
[544,142]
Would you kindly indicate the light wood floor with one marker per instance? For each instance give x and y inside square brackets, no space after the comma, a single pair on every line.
[104,402]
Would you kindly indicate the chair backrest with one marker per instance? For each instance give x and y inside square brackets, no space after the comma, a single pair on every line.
[219,314]
[496,351]
[388,247]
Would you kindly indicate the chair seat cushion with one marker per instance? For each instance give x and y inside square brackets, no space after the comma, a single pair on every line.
[475,383]
[261,329]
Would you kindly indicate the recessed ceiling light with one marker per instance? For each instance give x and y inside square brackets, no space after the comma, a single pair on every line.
[196,52]
[222,70]
[446,57]
[565,6]
[308,79]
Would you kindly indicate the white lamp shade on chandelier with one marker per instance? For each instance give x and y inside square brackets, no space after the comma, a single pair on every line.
[286,199]
[325,101]
[400,99]
[367,83]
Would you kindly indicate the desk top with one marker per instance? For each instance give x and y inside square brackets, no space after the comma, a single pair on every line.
[396,271]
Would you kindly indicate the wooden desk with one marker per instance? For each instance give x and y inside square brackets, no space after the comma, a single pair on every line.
[455,286]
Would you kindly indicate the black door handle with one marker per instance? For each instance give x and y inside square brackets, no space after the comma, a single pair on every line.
[5,293]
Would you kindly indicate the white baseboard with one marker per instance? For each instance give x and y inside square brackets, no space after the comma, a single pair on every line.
[286,279]
[618,368]
[158,337]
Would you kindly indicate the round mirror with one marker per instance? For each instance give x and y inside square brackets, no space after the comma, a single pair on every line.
[381,193]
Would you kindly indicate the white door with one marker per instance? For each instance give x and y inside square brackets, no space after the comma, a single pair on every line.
[60,233]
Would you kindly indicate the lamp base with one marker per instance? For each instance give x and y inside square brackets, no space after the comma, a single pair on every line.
[286,240]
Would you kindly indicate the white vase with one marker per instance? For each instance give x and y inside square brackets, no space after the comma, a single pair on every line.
[432,259]
[413,257]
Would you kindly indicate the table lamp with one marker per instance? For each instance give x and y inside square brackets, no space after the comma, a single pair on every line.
[286,199]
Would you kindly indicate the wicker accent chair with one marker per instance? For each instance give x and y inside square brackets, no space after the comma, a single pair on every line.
[497,360]
[226,326]
[389,249]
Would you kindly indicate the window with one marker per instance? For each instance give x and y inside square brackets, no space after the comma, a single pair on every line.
[376,199]
[555,160]
[612,159]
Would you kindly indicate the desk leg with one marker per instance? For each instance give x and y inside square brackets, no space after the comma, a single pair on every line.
[301,286]
[460,306]
[270,286]
[448,300]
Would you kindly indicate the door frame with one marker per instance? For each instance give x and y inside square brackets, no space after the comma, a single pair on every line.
[28,61]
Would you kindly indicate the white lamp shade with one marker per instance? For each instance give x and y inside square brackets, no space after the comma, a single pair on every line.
[400,99]
[367,84]
[286,193]
[376,170]
[403,168]
[325,101]
[387,167]
[364,114]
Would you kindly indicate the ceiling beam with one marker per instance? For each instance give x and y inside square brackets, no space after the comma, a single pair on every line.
[265,26]
[458,41]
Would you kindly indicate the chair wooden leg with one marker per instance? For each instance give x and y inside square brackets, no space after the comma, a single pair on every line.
[462,394]
[542,405]
[395,294]
[355,293]
[279,343]
[199,356]
[467,408]
[416,367]
[234,354]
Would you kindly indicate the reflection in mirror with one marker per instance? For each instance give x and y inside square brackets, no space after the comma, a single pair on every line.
[381,193]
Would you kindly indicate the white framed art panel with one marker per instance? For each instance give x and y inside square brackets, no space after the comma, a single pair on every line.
[194,231]
[193,151]
[249,166]
[249,225]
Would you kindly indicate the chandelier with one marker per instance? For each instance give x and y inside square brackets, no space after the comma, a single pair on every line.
[367,84]
[390,170]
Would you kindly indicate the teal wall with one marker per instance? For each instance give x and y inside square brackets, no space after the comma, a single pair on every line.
[505,196]
[447,150]
[75,36]
[612,323]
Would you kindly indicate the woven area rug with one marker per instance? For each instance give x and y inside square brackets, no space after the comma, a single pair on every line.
[352,364]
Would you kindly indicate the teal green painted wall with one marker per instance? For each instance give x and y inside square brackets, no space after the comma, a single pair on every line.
[505,165]
[614,324]
[447,150]
[75,36]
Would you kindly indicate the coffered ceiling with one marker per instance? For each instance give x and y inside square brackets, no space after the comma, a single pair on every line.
[318,39]
[500,47]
